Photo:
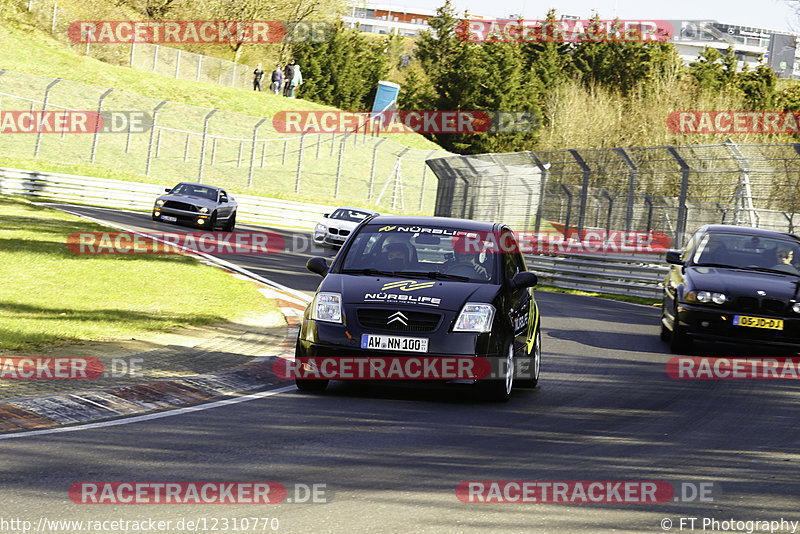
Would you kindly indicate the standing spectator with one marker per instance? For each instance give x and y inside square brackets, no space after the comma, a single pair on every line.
[277,80]
[287,78]
[257,74]
[297,79]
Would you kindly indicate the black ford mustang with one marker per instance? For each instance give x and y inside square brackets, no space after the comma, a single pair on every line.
[734,284]
[200,205]
[410,287]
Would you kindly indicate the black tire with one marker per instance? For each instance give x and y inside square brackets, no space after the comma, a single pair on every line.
[231,224]
[499,389]
[212,221]
[679,342]
[156,218]
[665,333]
[311,386]
[534,364]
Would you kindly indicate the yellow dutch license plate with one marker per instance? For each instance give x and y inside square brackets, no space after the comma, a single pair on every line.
[758,322]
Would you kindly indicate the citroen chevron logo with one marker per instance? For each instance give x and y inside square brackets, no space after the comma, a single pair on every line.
[399,317]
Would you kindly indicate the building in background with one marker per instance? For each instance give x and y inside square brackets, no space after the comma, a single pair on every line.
[387,19]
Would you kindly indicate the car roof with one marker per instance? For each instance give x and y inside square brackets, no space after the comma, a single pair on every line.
[748,230]
[195,184]
[447,222]
[364,210]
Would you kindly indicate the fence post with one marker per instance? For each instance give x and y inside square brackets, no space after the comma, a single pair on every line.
[542,182]
[53,26]
[584,188]
[299,163]
[178,64]
[372,169]
[253,153]
[631,187]
[44,107]
[203,145]
[424,175]
[339,167]
[333,142]
[680,227]
[263,152]
[239,157]
[186,149]
[319,142]
[88,39]
[213,151]
[158,143]
[133,50]
[152,137]
[98,123]
[569,210]
[285,149]
[199,62]
[155,57]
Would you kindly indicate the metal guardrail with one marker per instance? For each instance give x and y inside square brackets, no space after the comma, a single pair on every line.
[140,196]
[639,276]
[636,276]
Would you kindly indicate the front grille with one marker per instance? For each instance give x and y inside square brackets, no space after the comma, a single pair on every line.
[752,304]
[378,319]
[179,205]
[344,232]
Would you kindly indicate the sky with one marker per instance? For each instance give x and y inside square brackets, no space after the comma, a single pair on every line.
[765,14]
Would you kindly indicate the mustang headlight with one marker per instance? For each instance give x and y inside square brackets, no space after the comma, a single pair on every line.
[327,307]
[705,297]
[203,210]
[159,202]
[475,318]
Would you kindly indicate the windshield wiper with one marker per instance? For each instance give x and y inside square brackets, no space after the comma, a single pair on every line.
[435,275]
[716,265]
[370,271]
[776,271]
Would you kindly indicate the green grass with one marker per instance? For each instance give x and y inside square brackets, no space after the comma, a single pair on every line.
[50,296]
[610,296]
[29,51]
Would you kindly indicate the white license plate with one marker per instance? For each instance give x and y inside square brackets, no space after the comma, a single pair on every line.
[399,343]
[167,218]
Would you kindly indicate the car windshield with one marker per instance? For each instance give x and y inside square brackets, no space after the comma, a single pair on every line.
[349,215]
[747,251]
[430,252]
[194,191]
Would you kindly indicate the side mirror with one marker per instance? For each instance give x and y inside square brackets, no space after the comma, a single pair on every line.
[317,265]
[167,190]
[523,279]
[674,257]
[325,215]
[223,200]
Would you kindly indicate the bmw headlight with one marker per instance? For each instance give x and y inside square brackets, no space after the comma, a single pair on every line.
[327,307]
[796,307]
[203,210]
[159,202]
[475,318]
[705,297]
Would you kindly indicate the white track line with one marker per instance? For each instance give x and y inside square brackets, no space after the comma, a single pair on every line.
[151,416]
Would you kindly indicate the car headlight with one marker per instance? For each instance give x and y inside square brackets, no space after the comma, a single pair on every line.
[203,210]
[704,297]
[796,307]
[159,202]
[475,318]
[320,227]
[327,307]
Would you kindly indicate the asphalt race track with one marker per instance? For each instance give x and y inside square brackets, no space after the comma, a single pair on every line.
[391,456]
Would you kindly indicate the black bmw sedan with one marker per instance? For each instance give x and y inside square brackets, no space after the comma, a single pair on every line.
[416,294]
[733,284]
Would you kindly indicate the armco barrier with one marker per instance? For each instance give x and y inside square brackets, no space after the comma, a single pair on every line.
[134,195]
[639,276]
